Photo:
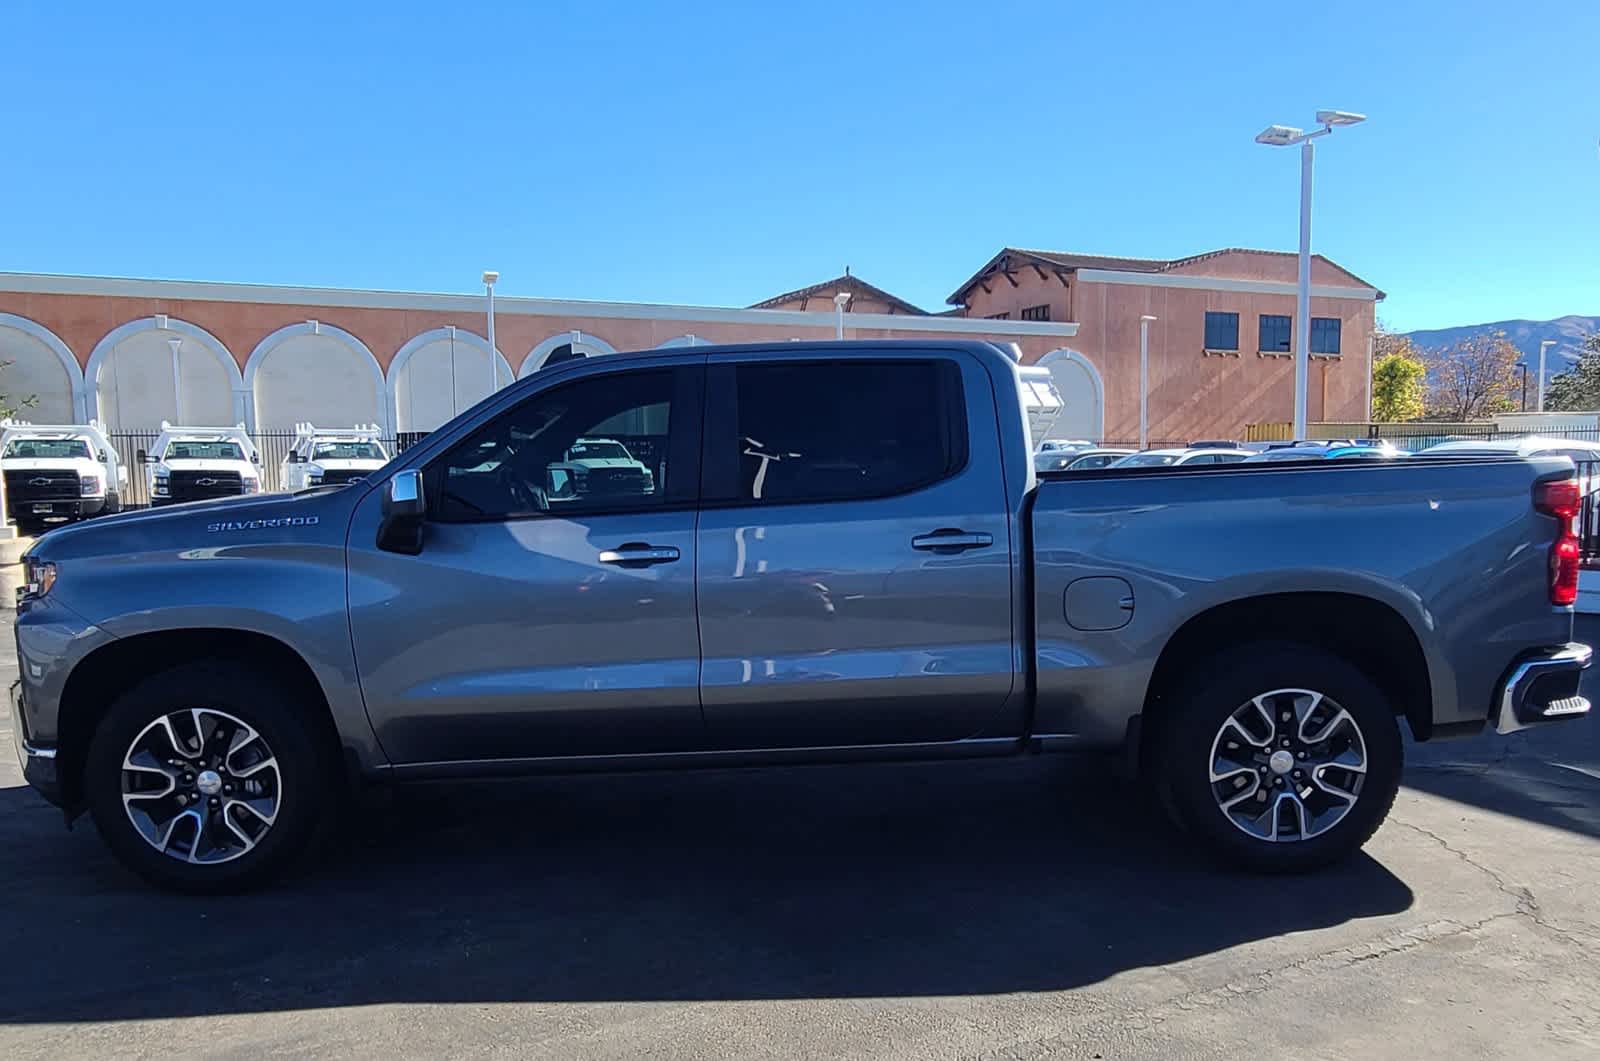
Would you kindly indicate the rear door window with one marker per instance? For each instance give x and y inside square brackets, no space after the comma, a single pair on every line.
[811,431]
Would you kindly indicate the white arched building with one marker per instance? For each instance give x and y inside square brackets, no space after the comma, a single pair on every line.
[1083,395]
[319,373]
[440,373]
[162,368]
[37,365]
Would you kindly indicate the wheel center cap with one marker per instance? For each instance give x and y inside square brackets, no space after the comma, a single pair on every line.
[1281,762]
[210,782]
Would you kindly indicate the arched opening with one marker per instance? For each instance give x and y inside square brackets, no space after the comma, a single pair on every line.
[441,373]
[36,368]
[564,346]
[162,368]
[317,372]
[1083,412]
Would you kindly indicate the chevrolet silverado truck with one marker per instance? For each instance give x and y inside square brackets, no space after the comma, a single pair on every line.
[200,463]
[847,554]
[59,473]
[324,457]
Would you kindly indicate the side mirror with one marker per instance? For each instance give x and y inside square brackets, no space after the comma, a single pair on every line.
[295,458]
[100,456]
[255,458]
[403,508]
[143,457]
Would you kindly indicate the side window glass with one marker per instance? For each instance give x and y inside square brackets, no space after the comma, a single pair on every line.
[840,431]
[594,445]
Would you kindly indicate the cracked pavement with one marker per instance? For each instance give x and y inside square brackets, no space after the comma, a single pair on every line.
[983,910]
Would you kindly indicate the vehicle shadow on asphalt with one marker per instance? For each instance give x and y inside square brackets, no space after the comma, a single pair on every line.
[860,881]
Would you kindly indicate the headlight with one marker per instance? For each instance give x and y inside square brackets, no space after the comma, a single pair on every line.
[251,484]
[159,485]
[314,479]
[39,576]
[89,486]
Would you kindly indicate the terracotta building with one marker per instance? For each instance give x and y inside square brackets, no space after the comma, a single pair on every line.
[1219,348]
[132,353]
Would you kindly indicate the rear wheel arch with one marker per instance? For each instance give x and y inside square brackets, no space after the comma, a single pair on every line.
[103,675]
[1368,633]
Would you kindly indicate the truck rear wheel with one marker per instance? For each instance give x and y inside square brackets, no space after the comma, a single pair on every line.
[1278,757]
[207,778]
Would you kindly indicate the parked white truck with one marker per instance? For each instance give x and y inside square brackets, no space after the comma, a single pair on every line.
[324,457]
[59,473]
[200,463]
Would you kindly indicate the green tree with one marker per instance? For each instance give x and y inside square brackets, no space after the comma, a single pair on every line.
[1578,388]
[1399,384]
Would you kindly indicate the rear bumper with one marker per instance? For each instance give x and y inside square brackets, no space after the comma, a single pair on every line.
[1543,688]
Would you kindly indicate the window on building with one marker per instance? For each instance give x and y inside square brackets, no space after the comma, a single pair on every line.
[594,445]
[1222,331]
[1325,335]
[998,317]
[819,431]
[1276,333]
[1036,313]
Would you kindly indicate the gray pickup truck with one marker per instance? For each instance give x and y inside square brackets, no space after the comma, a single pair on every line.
[846,554]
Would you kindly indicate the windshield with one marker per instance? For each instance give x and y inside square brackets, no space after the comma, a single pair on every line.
[349,451]
[210,451]
[49,448]
[585,451]
[1147,460]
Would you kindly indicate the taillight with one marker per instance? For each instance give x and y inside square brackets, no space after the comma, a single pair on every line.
[1562,499]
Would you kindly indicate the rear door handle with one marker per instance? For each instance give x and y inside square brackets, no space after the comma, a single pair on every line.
[639,554]
[949,540]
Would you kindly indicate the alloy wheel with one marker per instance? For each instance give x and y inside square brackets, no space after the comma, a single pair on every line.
[1288,765]
[201,786]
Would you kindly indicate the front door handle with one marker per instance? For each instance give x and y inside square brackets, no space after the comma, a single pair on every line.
[950,540]
[639,554]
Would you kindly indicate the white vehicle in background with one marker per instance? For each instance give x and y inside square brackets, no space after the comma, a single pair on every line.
[201,463]
[1041,402]
[59,473]
[330,457]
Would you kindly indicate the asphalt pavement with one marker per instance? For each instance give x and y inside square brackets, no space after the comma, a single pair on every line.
[1009,909]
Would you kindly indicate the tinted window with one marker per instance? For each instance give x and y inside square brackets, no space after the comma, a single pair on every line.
[1222,331]
[214,451]
[1275,333]
[1147,460]
[47,448]
[528,461]
[819,431]
[1325,335]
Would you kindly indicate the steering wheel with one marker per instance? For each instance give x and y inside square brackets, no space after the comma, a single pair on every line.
[528,496]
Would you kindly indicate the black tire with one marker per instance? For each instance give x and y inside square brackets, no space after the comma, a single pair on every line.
[305,772]
[1192,718]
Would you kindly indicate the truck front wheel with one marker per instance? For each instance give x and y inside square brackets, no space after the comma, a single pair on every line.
[1278,757]
[207,778]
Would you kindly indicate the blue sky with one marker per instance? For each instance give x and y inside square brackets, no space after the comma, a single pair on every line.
[718,153]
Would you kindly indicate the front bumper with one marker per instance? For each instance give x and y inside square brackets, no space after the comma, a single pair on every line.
[38,763]
[81,508]
[1543,688]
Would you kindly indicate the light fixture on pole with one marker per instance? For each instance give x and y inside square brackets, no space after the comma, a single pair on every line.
[1144,380]
[489,278]
[1544,344]
[840,301]
[177,379]
[1288,136]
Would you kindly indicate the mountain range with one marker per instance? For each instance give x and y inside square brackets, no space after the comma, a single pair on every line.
[1567,332]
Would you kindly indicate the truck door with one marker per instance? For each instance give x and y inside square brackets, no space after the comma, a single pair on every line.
[540,618]
[855,567]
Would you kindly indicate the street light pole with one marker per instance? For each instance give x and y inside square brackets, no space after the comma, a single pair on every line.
[840,301]
[489,278]
[1302,304]
[1144,380]
[1286,136]
[1543,346]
